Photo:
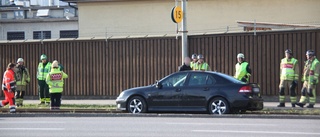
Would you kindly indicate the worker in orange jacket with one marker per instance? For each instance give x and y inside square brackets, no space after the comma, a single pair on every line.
[9,87]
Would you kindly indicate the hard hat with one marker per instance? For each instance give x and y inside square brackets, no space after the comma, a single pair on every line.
[55,64]
[200,56]
[20,60]
[240,55]
[288,51]
[310,53]
[194,56]
[43,56]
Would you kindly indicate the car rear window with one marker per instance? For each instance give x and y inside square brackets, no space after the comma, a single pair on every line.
[224,78]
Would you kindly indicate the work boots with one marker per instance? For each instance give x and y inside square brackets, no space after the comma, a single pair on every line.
[310,106]
[300,104]
[281,105]
[293,105]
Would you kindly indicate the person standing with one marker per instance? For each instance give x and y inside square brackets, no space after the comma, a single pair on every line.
[243,70]
[289,69]
[22,78]
[194,61]
[9,87]
[186,65]
[310,80]
[55,81]
[44,68]
[201,65]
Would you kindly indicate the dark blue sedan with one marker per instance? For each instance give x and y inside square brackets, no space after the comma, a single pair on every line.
[193,91]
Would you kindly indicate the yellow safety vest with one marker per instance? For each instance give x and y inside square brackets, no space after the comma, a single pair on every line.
[43,71]
[241,70]
[203,66]
[287,69]
[55,80]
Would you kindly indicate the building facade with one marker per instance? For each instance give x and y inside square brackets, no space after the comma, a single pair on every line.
[107,18]
[37,19]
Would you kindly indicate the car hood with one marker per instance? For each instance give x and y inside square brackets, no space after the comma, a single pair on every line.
[137,89]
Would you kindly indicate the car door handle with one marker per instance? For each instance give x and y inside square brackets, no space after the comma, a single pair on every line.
[205,89]
[178,90]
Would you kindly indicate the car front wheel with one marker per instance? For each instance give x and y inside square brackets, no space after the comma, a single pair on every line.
[136,105]
[218,106]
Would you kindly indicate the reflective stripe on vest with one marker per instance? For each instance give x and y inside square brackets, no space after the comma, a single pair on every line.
[241,70]
[287,71]
[43,71]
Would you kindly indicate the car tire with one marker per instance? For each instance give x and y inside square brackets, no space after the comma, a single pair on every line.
[136,105]
[218,106]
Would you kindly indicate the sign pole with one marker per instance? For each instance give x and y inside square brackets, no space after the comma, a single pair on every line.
[184,30]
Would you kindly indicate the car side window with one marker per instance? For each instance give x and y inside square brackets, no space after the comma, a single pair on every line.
[198,79]
[177,80]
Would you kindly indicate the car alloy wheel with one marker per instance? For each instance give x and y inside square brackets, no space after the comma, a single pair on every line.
[136,105]
[218,106]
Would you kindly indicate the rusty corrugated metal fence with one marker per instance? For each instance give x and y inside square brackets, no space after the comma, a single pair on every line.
[102,69]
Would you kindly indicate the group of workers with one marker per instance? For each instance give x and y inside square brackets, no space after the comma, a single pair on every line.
[289,75]
[50,83]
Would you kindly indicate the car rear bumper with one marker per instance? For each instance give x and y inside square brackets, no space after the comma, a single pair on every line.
[121,105]
[248,104]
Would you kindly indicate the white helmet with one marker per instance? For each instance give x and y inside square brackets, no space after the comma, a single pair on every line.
[20,60]
[240,55]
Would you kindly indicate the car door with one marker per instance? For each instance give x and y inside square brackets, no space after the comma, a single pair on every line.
[169,96]
[199,87]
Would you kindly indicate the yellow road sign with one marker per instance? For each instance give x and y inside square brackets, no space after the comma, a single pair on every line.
[177,14]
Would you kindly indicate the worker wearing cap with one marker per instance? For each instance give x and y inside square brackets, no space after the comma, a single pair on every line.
[44,68]
[22,78]
[243,70]
[194,61]
[289,75]
[55,81]
[201,64]
[310,80]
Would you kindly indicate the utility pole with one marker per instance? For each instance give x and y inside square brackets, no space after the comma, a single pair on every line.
[184,30]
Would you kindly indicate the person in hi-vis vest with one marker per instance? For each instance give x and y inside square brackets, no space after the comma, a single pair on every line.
[243,70]
[289,75]
[310,77]
[201,64]
[44,68]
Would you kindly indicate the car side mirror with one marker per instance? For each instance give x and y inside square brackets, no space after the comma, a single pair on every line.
[158,85]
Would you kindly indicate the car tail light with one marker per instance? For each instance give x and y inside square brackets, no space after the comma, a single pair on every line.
[245,89]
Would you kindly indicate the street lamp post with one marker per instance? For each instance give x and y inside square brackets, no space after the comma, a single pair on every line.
[184,30]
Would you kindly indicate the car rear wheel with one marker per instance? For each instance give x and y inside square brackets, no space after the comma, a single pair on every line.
[218,106]
[136,105]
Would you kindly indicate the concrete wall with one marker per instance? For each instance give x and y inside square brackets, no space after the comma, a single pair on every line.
[153,17]
[54,27]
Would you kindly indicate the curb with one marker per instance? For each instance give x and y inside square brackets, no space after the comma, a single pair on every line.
[255,116]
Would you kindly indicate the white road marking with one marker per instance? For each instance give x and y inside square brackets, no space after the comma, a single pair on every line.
[222,124]
[32,122]
[256,132]
[37,129]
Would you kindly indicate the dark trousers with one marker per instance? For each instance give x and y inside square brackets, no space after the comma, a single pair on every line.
[55,99]
[43,89]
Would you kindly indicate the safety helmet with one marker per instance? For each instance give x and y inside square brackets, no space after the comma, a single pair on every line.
[20,60]
[55,64]
[200,56]
[240,55]
[194,56]
[310,53]
[43,56]
[288,51]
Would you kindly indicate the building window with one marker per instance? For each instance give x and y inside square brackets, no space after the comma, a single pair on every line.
[4,15]
[69,34]
[19,14]
[15,36]
[42,35]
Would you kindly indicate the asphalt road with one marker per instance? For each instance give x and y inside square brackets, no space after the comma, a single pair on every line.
[156,127]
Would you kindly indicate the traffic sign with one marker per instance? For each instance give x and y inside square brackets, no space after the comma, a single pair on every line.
[176,14]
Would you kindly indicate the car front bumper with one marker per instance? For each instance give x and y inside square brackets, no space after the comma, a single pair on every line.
[121,104]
